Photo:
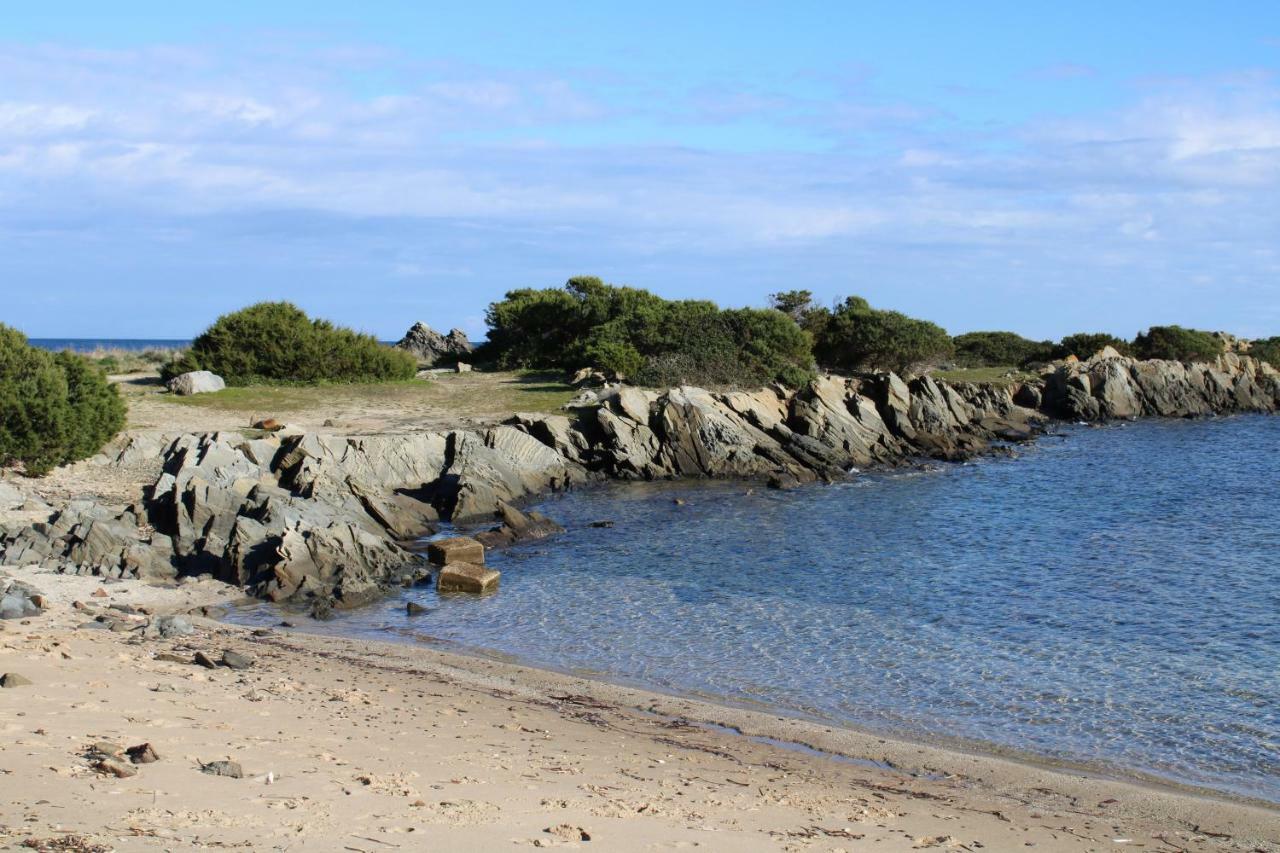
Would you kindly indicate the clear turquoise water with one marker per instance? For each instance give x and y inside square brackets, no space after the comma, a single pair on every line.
[1111,597]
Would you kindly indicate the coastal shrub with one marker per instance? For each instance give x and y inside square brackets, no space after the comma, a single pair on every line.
[644,337]
[997,349]
[1084,344]
[856,336]
[1174,343]
[54,409]
[1266,349]
[278,342]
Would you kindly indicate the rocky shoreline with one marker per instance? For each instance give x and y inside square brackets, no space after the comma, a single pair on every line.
[331,521]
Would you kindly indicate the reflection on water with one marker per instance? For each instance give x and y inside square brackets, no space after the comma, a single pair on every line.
[1111,596]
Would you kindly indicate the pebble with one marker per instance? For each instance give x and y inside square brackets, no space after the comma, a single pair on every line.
[223,768]
[235,660]
[116,767]
[143,753]
[205,661]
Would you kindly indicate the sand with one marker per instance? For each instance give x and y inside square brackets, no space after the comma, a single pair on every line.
[355,745]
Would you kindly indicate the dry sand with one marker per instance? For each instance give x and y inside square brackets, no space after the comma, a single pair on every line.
[353,745]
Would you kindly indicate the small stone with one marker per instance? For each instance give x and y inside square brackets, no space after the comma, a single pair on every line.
[170,657]
[467,577]
[100,593]
[262,632]
[235,660]
[174,626]
[230,769]
[13,679]
[205,661]
[602,524]
[456,549]
[286,624]
[107,749]
[413,608]
[100,626]
[143,753]
[116,768]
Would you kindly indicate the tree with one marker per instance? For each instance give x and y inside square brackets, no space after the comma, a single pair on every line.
[997,349]
[1174,343]
[859,337]
[278,342]
[54,409]
[1266,349]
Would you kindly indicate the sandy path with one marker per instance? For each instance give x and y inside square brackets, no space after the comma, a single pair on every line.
[380,747]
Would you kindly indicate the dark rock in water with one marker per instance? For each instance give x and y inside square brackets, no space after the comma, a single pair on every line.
[205,661]
[235,660]
[143,753]
[286,624]
[230,769]
[783,481]
[262,632]
[412,608]
[517,527]
[602,524]
[430,347]
[13,679]
[322,609]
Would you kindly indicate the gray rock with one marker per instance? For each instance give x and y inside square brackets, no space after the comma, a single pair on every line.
[13,679]
[230,769]
[235,660]
[174,626]
[196,382]
[430,347]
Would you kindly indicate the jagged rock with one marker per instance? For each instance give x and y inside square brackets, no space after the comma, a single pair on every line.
[143,753]
[516,527]
[430,347]
[467,577]
[196,382]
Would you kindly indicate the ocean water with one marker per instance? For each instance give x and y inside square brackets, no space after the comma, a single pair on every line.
[91,344]
[1110,597]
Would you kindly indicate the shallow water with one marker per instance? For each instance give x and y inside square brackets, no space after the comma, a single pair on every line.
[1112,596]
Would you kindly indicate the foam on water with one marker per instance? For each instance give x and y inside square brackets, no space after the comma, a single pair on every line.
[1112,597]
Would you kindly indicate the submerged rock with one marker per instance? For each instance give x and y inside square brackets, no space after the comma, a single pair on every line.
[456,549]
[467,577]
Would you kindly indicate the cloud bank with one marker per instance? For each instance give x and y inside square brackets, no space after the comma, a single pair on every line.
[144,190]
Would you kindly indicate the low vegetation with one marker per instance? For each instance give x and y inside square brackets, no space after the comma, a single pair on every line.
[54,408]
[991,349]
[1267,349]
[276,342]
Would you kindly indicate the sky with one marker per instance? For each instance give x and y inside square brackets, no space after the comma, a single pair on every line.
[1084,166]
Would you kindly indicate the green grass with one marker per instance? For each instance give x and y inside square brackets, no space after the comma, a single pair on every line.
[983,375]
[463,395]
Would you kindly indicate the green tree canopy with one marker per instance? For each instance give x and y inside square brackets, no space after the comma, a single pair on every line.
[859,337]
[1174,343]
[996,349]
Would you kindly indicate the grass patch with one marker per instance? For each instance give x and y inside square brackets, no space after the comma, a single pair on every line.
[462,395]
[1007,375]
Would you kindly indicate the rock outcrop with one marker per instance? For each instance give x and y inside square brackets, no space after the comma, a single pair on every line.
[1110,386]
[326,520]
[431,347]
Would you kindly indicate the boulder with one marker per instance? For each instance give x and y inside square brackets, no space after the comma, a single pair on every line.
[196,382]
[467,577]
[430,347]
[456,549]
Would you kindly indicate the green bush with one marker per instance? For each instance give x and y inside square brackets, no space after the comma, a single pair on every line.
[1085,344]
[277,342]
[54,409]
[641,336]
[1174,343]
[1266,349]
[997,349]
[856,336]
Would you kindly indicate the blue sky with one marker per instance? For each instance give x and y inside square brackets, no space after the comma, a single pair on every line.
[1085,166]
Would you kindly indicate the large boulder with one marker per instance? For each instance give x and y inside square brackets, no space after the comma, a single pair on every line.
[429,346]
[196,382]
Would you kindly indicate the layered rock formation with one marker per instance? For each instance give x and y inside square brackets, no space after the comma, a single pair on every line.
[430,347]
[326,519]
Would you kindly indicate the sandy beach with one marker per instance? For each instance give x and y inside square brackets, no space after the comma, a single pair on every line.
[362,746]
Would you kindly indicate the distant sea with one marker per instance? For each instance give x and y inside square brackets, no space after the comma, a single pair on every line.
[91,344]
